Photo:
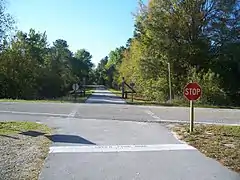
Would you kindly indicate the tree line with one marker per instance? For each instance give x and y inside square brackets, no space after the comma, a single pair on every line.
[200,40]
[30,68]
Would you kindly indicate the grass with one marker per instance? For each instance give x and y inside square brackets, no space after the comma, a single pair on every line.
[117,92]
[69,98]
[138,100]
[79,99]
[7,128]
[30,100]
[219,142]
[33,149]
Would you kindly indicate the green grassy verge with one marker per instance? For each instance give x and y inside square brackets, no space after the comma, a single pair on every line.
[79,99]
[31,100]
[138,100]
[69,98]
[117,92]
[17,127]
[219,142]
[183,103]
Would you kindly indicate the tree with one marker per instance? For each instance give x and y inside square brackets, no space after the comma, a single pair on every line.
[31,69]
[199,35]
[6,22]
[21,63]
[57,74]
[82,65]
[100,72]
[114,60]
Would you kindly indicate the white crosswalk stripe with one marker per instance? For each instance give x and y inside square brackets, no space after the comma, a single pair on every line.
[119,148]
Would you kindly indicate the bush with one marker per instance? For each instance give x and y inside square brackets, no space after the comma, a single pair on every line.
[210,82]
[156,90]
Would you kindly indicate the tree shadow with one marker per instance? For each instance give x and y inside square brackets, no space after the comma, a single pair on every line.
[61,138]
[105,99]
[105,96]
[32,133]
[12,137]
[105,102]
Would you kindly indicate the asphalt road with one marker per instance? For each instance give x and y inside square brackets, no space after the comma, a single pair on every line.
[108,139]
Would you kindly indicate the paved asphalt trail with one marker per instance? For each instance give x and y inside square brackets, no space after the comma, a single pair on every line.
[104,96]
[106,139]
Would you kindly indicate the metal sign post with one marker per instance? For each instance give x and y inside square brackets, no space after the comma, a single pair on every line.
[123,84]
[192,91]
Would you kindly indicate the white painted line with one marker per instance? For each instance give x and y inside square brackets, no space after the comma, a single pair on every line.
[218,123]
[157,120]
[163,121]
[198,122]
[177,137]
[73,113]
[119,148]
[33,113]
[149,112]
[152,115]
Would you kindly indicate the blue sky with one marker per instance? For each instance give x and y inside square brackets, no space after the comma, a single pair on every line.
[96,25]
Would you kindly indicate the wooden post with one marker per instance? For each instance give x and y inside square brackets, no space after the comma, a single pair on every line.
[123,87]
[84,85]
[126,95]
[169,83]
[75,95]
[132,84]
[191,116]
[132,96]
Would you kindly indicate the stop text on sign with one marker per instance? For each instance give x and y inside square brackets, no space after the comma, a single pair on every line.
[192,91]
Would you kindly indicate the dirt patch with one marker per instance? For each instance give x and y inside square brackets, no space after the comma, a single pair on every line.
[22,156]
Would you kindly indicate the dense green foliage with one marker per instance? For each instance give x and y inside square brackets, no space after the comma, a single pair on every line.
[199,38]
[32,69]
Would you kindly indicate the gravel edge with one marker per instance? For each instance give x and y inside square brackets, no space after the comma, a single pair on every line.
[22,157]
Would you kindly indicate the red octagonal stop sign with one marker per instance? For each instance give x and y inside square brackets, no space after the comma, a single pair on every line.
[192,91]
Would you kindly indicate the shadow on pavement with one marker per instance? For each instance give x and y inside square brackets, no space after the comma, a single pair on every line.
[62,138]
[103,102]
[105,96]
[69,139]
